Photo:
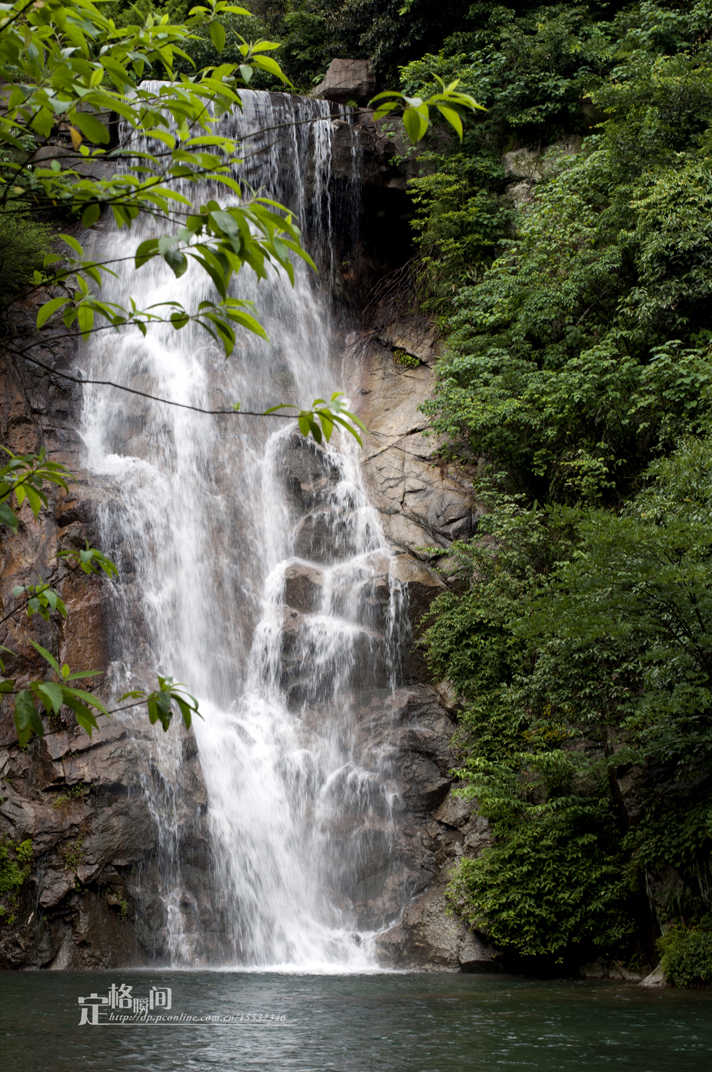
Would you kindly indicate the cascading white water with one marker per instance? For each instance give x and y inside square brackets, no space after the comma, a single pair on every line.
[255,571]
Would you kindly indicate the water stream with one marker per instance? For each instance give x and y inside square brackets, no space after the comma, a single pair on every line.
[255,571]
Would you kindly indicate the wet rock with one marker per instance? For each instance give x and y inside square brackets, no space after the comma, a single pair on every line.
[324,537]
[42,771]
[656,978]
[423,585]
[360,592]
[409,737]
[101,938]
[121,834]
[386,163]
[346,81]
[430,938]
[537,164]
[421,502]
[531,166]
[54,886]
[415,336]
[303,588]
[310,664]
[309,471]
[48,827]
[454,811]
[477,835]
[475,955]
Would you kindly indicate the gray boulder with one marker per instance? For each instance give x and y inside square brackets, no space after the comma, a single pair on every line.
[346,80]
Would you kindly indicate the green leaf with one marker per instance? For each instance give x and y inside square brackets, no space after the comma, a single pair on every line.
[27,719]
[46,655]
[53,693]
[271,66]
[226,222]
[85,319]
[249,322]
[159,708]
[184,710]
[34,498]
[50,307]
[91,214]
[304,424]
[145,251]
[415,123]
[177,261]
[8,517]
[386,94]
[91,127]
[87,697]
[85,717]
[217,35]
[73,243]
[384,108]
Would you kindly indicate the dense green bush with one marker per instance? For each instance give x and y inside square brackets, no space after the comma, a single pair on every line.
[686,954]
[15,862]
[200,52]
[579,370]
[581,648]
[23,244]
[554,885]
[305,52]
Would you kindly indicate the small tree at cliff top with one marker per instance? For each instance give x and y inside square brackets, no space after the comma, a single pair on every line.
[68,72]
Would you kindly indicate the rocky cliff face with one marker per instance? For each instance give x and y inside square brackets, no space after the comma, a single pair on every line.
[93,895]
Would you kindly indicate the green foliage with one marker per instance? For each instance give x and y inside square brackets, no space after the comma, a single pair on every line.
[160,702]
[73,853]
[117,900]
[69,64]
[389,33]
[305,52]
[402,357]
[686,954]
[581,650]
[458,226]
[324,416]
[79,86]
[24,243]
[583,350]
[554,884]
[73,794]
[24,477]
[448,101]
[15,864]
[529,66]
[40,599]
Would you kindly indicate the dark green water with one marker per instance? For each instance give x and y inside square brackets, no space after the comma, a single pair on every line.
[398,1023]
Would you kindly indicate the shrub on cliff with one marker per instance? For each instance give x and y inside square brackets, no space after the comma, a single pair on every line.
[686,954]
[579,367]
[24,243]
[15,862]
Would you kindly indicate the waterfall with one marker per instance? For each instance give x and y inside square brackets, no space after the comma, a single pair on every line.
[253,569]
